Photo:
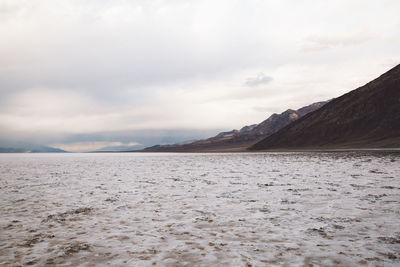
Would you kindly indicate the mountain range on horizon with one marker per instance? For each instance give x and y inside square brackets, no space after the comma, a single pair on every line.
[367,117]
[239,140]
[234,140]
[24,147]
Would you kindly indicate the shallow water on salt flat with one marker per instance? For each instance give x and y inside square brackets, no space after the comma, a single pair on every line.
[255,209]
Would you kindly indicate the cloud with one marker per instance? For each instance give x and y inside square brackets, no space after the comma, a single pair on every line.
[323,42]
[259,79]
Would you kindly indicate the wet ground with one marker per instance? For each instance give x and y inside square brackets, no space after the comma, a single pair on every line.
[256,209]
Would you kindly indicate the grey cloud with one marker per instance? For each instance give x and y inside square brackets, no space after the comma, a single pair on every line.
[323,42]
[121,45]
[260,79]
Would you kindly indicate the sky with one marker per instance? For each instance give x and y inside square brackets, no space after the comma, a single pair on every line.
[81,75]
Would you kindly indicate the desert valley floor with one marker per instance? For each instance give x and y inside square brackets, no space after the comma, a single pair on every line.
[232,209]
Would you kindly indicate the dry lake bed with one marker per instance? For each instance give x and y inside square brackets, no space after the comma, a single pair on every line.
[232,209]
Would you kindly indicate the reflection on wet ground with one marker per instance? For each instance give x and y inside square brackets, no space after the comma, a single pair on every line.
[256,209]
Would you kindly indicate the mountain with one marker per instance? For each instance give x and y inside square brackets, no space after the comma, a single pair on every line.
[367,117]
[28,148]
[239,140]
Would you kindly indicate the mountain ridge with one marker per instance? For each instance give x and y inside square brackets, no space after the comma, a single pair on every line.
[239,140]
[368,116]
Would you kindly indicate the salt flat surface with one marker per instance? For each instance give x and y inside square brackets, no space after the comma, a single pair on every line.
[255,209]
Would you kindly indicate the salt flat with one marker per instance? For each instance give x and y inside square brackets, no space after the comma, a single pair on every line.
[243,209]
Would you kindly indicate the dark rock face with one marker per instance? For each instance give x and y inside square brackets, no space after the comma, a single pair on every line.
[276,122]
[239,140]
[368,117]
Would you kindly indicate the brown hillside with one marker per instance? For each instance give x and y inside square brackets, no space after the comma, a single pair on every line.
[239,140]
[367,117]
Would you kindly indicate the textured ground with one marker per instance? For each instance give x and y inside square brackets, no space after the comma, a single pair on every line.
[261,209]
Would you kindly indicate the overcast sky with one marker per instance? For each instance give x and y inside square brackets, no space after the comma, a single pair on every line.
[78,68]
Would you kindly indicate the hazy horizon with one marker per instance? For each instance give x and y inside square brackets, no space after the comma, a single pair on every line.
[81,75]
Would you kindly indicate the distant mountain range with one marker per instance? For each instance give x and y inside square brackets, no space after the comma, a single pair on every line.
[28,148]
[367,117]
[239,140]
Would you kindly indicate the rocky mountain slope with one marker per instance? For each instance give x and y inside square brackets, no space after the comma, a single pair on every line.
[239,140]
[367,117]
